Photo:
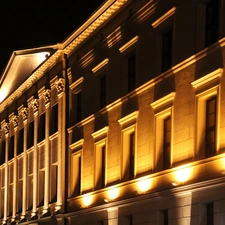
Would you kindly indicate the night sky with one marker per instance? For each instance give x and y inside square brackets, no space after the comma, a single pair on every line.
[29,24]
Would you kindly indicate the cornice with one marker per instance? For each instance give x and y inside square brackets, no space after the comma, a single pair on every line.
[90,26]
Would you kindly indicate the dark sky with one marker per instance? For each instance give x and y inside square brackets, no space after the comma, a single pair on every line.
[28,24]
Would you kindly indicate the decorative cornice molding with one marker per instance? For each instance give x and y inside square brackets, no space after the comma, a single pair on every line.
[101,16]
[129,44]
[207,78]
[76,86]
[164,17]
[100,132]
[100,65]
[131,117]
[168,98]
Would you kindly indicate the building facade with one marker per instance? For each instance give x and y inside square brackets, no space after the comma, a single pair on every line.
[121,123]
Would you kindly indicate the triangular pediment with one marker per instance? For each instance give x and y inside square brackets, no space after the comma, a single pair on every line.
[20,66]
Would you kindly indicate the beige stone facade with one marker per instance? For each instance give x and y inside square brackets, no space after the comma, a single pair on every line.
[122,123]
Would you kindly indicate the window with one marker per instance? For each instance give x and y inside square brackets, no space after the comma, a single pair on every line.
[102,91]
[129,52]
[11,148]
[163,109]
[2,191]
[100,70]
[41,128]
[19,193]
[210,130]
[41,174]
[128,124]
[131,72]
[163,217]
[10,188]
[100,175]
[209,214]
[30,180]
[30,135]
[2,153]
[211,22]
[20,141]
[166,142]
[54,119]
[53,168]
[76,174]
[132,153]
[75,168]
[207,90]
[167,50]
[79,106]
[164,40]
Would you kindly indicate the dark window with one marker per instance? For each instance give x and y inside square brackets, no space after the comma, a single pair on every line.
[20,142]
[211,22]
[11,148]
[165,217]
[79,106]
[132,153]
[2,153]
[167,50]
[102,91]
[210,135]
[54,120]
[166,142]
[131,72]
[41,128]
[209,214]
[41,187]
[30,135]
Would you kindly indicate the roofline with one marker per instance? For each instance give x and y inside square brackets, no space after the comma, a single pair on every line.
[103,13]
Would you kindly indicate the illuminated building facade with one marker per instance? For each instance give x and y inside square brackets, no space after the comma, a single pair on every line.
[121,123]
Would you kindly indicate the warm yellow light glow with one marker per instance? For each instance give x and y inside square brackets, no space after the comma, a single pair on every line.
[3,93]
[42,56]
[113,193]
[183,175]
[144,185]
[87,200]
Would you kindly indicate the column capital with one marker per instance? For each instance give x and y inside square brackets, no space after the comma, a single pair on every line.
[35,105]
[60,84]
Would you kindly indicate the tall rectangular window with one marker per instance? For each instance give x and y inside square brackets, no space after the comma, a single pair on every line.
[11,148]
[100,165]
[167,50]
[19,193]
[41,128]
[131,72]
[30,135]
[210,130]
[211,22]
[166,142]
[76,174]
[30,180]
[210,214]
[54,119]
[79,106]
[132,153]
[2,191]
[53,183]
[2,153]
[103,91]
[20,141]
[11,187]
